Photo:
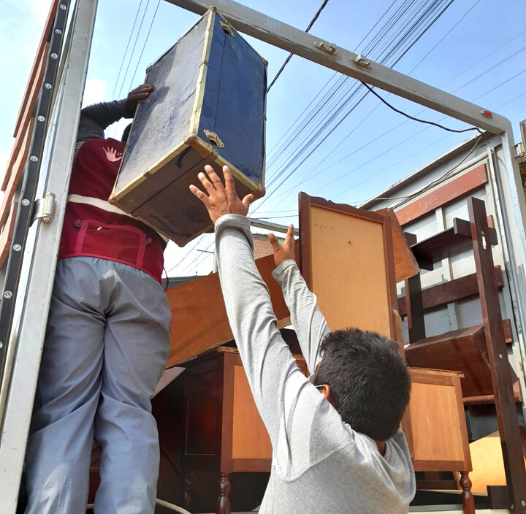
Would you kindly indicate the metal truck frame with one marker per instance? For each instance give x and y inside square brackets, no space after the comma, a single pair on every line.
[40,250]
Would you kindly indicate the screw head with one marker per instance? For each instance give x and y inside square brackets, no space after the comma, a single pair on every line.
[25,202]
[8,294]
[54,56]
[58,31]
[47,85]
[63,7]
[1,344]
[500,355]
[41,118]
[17,248]
[523,503]
[33,158]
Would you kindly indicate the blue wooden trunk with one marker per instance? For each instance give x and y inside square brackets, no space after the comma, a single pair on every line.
[207,107]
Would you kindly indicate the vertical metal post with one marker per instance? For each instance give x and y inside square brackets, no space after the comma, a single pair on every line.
[19,403]
[509,186]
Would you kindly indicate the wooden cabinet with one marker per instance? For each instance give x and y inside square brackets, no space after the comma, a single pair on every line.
[223,430]
[438,434]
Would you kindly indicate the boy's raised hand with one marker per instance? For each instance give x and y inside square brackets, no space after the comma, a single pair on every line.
[286,250]
[221,199]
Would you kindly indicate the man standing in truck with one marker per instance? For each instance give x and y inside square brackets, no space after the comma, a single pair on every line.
[106,345]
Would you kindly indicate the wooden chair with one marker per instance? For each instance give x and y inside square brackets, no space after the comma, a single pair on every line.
[478,352]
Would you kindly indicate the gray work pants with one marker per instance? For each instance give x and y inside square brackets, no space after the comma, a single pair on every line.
[106,347]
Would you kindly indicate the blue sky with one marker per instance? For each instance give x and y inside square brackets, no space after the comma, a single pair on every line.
[346,169]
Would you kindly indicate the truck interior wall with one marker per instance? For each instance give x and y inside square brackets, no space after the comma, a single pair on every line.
[466,312]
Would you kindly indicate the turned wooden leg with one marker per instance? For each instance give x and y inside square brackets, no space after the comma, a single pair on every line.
[187,485]
[223,502]
[468,500]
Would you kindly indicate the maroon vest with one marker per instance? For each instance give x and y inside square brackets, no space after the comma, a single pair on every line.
[92,231]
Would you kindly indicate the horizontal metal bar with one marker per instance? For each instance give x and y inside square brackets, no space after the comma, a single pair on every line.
[272,226]
[315,49]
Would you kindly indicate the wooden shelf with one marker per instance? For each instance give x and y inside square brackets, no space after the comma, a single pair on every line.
[453,240]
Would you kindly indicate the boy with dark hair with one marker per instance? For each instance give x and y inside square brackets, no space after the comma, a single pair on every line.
[338,452]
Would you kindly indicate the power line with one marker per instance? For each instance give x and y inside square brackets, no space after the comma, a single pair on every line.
[410,34]
[134,45]
[127,46]
[318,172]
[458,131]
[145,41]
[444,37]
[313,21]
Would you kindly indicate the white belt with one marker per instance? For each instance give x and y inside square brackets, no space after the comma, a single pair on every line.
[102,204]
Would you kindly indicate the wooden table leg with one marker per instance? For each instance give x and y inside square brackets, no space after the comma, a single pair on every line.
[223,502]
[468,500]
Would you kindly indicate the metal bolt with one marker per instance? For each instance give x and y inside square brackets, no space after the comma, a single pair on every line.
[41,118]
[8,294]
[500,355]
[523,503]
[25,202]
[58,31]
[17,248]
[63,7]
[54,56]
[33,158]
[47,85]
[1,344]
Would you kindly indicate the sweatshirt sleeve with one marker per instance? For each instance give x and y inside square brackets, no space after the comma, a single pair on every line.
[94,119]
[293,410]
[266,357]
[307,319]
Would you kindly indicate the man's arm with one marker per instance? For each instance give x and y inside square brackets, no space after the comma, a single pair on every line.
[272,372]
[94,119]
[307,319]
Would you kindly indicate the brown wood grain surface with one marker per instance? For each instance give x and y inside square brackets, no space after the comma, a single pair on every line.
[41,52]
[404,260]
[457,351]
[199,321]
[439,432]
[496,352]
[346,259]
[447,193]
[450,291]
[7,234]
[16,173]
[22,142]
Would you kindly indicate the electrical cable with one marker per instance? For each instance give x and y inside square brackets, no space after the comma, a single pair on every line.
[145,41]
[429,11]
[444,37]
[127,46]
[418,119]
[312,22]
[134,45]
[318,172]
[408,34]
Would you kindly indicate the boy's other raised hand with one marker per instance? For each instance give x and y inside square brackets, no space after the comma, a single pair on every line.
[221,199]
[286,250]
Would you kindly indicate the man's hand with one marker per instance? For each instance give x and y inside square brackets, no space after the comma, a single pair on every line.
[286,250]
[135,96]
[221,199]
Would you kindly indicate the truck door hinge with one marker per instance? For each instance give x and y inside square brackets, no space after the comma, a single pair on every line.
[44,208]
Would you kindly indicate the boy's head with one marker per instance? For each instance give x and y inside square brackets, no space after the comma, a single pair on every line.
[368,381]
